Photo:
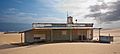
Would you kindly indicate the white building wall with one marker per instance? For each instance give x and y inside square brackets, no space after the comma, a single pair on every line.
[29,37]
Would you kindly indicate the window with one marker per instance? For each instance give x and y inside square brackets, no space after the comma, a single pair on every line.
[64,32]
[36,38]
[39,36]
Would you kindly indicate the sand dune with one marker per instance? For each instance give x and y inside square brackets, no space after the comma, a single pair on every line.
[10,37]
[112,32]
[65,48]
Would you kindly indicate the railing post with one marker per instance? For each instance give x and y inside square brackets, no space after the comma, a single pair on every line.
[21,38]
[51,35]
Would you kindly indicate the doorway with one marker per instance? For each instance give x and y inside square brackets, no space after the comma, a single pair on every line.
[82,37]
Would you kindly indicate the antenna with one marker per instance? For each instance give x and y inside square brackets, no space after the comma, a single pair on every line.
[67,13]
[100,17]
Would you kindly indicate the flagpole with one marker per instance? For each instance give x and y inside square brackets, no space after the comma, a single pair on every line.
[100,18]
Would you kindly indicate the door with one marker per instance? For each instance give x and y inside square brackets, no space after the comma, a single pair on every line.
[82,34]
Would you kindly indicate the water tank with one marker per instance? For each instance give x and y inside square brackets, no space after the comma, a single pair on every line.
[70,20]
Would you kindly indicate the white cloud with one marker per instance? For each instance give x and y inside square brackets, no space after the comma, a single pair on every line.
[76,8]
[107,1]
[79,8]
[18,1]
[43,20]
[49,20]
[12,9]
[49,3]
[114,24]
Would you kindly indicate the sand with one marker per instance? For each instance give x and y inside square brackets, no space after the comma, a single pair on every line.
[65,48]
[10,38]
[112,32]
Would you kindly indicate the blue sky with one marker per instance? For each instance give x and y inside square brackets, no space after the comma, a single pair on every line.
[29,11]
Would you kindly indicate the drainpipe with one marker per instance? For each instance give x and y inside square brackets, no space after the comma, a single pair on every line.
[99,31]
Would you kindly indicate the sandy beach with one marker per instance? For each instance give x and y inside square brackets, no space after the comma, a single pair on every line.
[65,48]
[10,38]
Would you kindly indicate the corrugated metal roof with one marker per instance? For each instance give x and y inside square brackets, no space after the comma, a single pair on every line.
[66,28]
[62,28]
[61,23]
[39,25]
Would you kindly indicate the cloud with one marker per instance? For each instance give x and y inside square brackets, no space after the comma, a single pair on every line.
[18,1]
[80,9]
[15,16]
[49,3]
[112,12]
[77,8]
[31,19]
[85,11]
[55,10]
[95,8]
[50,20]
[10,10]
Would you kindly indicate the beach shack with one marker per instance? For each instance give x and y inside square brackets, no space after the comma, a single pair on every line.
[53,32]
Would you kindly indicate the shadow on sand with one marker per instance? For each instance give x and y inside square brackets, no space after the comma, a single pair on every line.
[14,45]
[6,46]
